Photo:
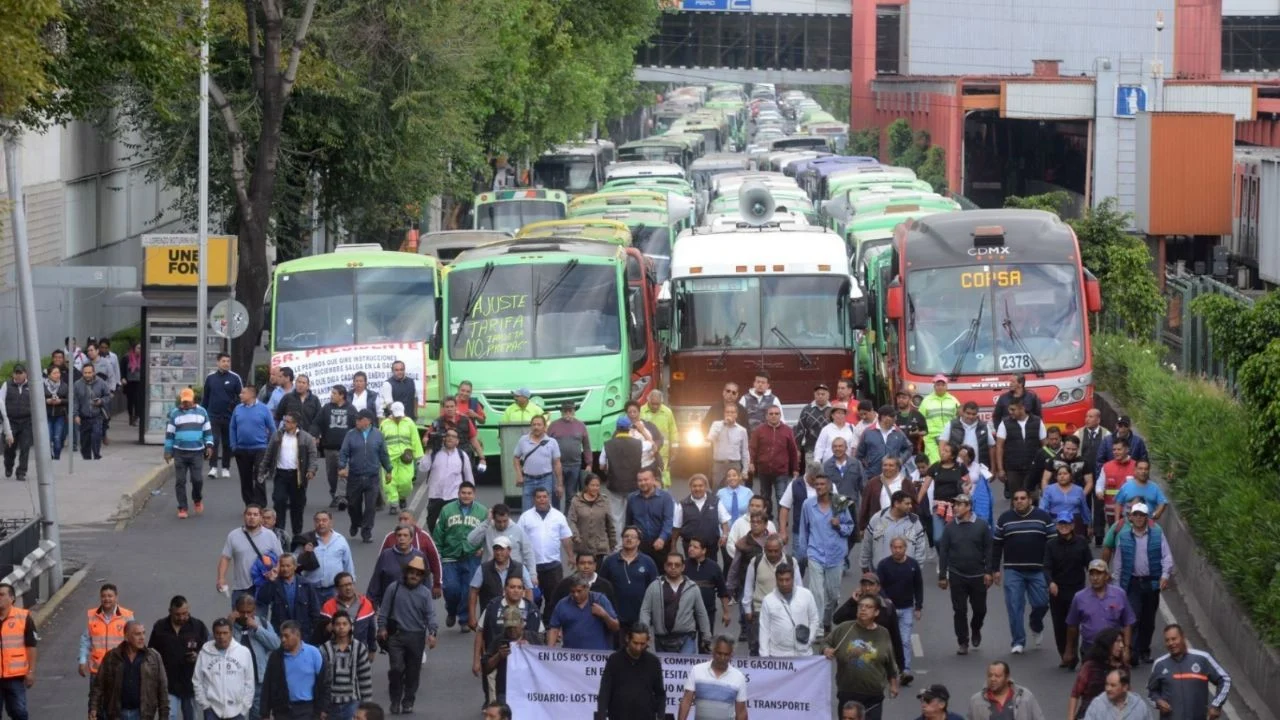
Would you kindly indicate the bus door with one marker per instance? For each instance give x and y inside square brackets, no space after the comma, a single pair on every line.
[646,365]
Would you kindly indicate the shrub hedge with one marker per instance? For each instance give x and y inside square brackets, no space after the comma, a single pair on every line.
[121,341]
[1198,433]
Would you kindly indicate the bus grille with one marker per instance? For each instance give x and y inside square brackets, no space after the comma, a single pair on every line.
[549,401]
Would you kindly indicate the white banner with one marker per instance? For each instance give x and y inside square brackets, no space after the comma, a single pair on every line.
[554,684]
[327,367]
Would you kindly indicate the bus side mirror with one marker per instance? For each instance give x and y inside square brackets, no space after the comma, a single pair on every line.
[893,303]
[662,316]
[1092,293]
[858,313]
[437,342]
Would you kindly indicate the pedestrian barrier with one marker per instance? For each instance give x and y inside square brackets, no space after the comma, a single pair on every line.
[34,566]
[1186,334]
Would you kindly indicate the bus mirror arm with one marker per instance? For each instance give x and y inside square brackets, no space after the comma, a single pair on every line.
[662,317]
[858,313]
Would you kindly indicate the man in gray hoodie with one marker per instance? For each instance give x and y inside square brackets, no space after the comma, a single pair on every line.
[92,399]
[673,607]
[497,525]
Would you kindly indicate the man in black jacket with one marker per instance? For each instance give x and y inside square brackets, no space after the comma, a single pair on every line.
[964,557]
[507,619]
[301,401]
[399,388]
[221,393]
[1017,391]
[279,700]
[1066,563]
[178,638]
[620,462]
[332,424]
[631,686]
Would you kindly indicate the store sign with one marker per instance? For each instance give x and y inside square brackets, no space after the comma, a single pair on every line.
[327,367]
[722,5]
[178,265]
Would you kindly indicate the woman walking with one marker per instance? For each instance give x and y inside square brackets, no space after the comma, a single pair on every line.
[133,382]
[346,660]
[1107,653]
[591,522]
[55,398]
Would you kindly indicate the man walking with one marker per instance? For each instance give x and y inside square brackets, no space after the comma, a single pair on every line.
[359,609]
[15,411]
[715,689]
[459,556]
[508,618]
[788,618]
[967,430]
[574,441]
[630,572]
[1144,565]
[404,446]
[336,419]
[295,684]
[490,579]
[896,521]
[1179,682]
[660,416]
[651,510]
[1066,561]
[301,402]
[775,456]
[1021,535]
[499,524]
[823,542]
[903,583]
[246,546]
[107,364]
[399,388]
[813,417]
[333,556]
[760,579]
[250,430]
[291,461]
[178,638]
[964,557]
[673,608]
[105,627]
[406,627]
[18,669]
[879,442]
[551,540]
[223,681]
[248,630]
[362,398]
[537,462]
[450,467]
[131,683]
[92,403]
[1096,608]
[1019,439]
[423,543]
[730,446]
[1001,698]
[583,621]
[288,598]
[1017,391]
[621,462]
[632,685]
[837,429]
[188,440]
[362,455]
[939,409]
[222,388]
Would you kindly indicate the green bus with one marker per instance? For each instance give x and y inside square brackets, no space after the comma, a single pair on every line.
[509,210]
[569,318]
[359,308]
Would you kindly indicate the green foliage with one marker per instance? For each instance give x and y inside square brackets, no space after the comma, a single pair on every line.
[1239,331]
[934,169]
[901,141]
[1201,437]
[26,38]
[6,369]
[1260,390]
[833,98]
[1053,202]
[865,143]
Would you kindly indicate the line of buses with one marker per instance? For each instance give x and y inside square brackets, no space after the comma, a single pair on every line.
[671,263]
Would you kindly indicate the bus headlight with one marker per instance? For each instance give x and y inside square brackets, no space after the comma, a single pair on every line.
[1064,396]
[694,438]
[1077,394]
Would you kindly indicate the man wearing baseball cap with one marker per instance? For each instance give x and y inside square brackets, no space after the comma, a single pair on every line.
[188,439]
[520,411]
[1067,557]
[939,408]
[1143,565]
[934,703]
[1096,608]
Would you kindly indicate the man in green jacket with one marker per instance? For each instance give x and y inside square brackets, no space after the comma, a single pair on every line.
[939,409]
[459,557]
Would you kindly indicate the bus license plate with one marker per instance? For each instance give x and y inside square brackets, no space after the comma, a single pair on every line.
[1015,362]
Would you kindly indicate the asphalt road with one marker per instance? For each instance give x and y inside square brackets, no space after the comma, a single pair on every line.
[158,556]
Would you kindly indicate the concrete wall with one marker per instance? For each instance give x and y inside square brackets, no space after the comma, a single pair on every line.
[1115,139]
[1251,7]
[945,37]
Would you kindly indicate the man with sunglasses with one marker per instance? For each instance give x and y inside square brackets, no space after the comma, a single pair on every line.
[729,395]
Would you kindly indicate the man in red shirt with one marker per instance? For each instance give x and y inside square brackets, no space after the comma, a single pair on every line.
[467,405]
[775,456]
[1113,476]
[423,543]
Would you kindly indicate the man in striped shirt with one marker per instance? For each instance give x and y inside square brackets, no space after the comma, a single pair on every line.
[1021,535]
[188,442]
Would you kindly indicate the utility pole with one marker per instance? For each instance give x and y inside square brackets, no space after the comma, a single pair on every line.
[202,286]
[31,339]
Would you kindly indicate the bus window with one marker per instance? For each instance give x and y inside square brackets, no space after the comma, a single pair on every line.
[323,308]
[511,215]
[718,313]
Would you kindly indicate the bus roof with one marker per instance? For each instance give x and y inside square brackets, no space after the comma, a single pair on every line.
[356,258]
[522,194]
[642,168]
[719,161]
[800,250]
[582,228]
[539,247]
[1017,236]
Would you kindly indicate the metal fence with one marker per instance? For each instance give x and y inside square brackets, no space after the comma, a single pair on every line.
[18,538]
[1186,334]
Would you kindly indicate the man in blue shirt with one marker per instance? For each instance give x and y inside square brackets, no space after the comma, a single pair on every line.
[295,684]
[1141,489]
[251,429]
[824,541]
[585,620]
[188,439]
[287,598]
[652,510]
[221,390]
[333,556]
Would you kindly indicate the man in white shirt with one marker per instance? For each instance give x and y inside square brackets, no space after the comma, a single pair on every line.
[837,428]
[715,690]
[729,446]
[788,618]
[549,534]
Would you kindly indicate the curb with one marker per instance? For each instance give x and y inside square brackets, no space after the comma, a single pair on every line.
[132,502]
[46,609]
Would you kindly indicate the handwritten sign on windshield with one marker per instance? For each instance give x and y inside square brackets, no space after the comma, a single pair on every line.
[496,327]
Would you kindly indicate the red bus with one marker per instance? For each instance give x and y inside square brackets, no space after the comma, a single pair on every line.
[978,296]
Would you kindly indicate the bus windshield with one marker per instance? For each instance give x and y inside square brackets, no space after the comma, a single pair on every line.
[351,306]
[806,311]
[986,319]
[511,215]
[654,242]
[544,311]
[573,175]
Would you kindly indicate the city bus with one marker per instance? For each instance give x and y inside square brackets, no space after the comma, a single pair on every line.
[358,308]
[782,301]
[980,295]
[576,169]
[590,228]
[554,314]
[510,210]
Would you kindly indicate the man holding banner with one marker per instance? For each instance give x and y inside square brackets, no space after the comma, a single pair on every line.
[631,686]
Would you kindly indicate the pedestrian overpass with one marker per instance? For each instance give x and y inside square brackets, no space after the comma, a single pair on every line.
[732,41]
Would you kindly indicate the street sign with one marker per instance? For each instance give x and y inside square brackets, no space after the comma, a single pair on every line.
[1130,100]
[169,239]
[721,5]
[168,263]
[114,277]
[229,319]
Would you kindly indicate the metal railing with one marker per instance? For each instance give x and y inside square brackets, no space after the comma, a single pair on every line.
[1185,334]
[25,559]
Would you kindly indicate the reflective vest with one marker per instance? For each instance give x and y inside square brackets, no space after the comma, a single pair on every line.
[14,662]
[105,634]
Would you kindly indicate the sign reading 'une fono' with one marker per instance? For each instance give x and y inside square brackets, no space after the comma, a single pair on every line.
[174,261]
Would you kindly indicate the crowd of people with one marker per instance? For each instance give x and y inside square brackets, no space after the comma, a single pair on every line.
[903,487]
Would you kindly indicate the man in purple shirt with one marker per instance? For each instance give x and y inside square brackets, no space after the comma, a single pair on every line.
[1096,608]
[575,449]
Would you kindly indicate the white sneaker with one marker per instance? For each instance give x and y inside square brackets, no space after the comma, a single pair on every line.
[1037,638]
[1017,649]
[213,472]
[226,473]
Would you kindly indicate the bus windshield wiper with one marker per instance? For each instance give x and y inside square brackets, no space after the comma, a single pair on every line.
[719,363]
[805,360]
[472,296]
[970,342]
[1007,324]
[542,295]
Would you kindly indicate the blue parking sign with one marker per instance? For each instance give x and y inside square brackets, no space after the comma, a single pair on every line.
[1130,100]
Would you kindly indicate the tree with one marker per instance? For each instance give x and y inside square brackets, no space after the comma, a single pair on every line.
[1053,202]
[901,141]
[26,37]
[934,169]
[1239,331]
[865,143]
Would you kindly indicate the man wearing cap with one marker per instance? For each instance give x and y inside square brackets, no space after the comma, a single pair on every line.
[838,428]
[15,413]
[1124,431]
[363,454]
[935,702]
[1142,565]
[188,439]
[939,409]
[1096,608]
[490,578]
[1017,391]
[407,625]
[964,566]
[910,420]
[537,463]
[660,416]
[1066,561]
[400,388]
[813,417]
[521,410]
[575,448]
[405,449]
[881,441]
[621,459]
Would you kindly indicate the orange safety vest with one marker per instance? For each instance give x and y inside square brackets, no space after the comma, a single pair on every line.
[14,662]
[105,634]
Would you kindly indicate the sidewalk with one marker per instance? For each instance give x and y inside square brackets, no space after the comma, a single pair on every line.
[97,491]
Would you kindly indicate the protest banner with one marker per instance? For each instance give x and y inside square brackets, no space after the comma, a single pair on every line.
[553,683]
[331,366]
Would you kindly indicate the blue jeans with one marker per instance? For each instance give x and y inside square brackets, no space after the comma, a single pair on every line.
[533,483]
[939,525]
[257,701]
[91,431]
[457,585]
[182,708]
[572,480]
[342,711]
[906,623]
[57,434]
[824,583]
[13,695]
[1021,586]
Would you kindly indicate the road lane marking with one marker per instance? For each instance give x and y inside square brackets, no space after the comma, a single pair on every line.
[917,647]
